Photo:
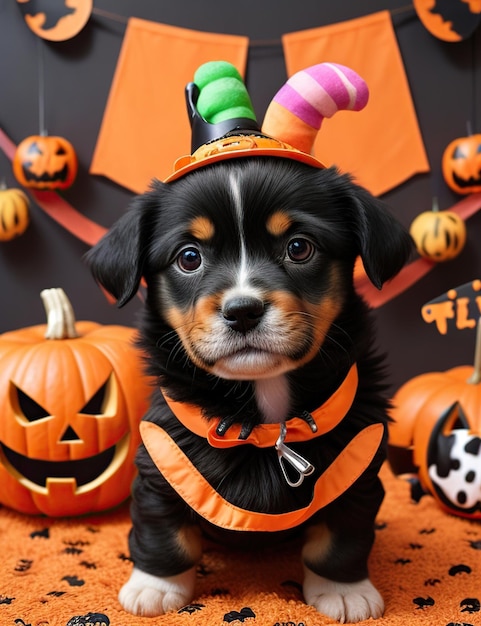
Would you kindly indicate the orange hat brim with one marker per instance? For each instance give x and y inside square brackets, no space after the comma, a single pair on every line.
[239,146]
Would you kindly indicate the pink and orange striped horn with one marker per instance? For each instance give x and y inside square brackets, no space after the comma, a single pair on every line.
[298,109]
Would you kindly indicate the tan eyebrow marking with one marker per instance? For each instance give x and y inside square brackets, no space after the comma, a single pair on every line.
[278,223]
[202,228]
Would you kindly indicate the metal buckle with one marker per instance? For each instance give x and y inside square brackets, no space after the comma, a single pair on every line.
[295,460]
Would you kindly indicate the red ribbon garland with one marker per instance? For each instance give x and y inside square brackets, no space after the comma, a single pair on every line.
[90,232]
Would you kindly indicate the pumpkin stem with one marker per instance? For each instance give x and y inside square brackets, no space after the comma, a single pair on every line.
[60,315]
[435,204]
[475,377]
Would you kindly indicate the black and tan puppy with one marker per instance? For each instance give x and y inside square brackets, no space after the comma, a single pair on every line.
[269,415]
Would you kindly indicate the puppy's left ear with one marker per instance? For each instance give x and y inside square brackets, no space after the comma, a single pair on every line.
[384,244]
[117,261]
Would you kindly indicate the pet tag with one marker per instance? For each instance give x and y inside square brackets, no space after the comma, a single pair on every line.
[299,463]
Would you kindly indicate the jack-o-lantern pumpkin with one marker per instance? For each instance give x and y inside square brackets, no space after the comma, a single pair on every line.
[14,215]
[72,398]
[45,162]
[436,435]
[461,164]
[438,235]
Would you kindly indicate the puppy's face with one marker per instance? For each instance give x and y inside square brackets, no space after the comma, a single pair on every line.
[248,279]
[249,262]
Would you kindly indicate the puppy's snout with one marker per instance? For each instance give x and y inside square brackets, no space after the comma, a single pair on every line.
[243,313]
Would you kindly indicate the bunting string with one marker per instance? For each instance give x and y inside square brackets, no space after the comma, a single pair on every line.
[254,43]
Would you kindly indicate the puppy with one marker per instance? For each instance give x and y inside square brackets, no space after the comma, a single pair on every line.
[269,414]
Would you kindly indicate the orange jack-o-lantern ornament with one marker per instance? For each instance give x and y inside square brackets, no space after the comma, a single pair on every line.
[45,162]
[14,215]
[438,235]
[72,397]
[436,435]
[461,164]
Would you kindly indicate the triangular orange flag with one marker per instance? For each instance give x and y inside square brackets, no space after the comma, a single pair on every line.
[382,144]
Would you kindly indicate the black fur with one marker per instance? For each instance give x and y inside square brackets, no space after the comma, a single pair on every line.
[344,221]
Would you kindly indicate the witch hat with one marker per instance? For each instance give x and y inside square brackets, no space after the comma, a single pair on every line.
[224,124]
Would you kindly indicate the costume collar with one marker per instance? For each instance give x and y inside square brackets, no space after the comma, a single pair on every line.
[352,461]
[303,428]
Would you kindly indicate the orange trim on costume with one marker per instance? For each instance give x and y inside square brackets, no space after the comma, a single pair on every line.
[194,489]
[326,417]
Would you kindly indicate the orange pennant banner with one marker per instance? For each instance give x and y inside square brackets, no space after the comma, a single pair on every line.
[388,125]
[145,113]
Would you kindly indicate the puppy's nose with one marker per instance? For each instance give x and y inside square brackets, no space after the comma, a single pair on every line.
[243,313]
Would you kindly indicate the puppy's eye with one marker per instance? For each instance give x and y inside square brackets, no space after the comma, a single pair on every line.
[300,250]
[189,259]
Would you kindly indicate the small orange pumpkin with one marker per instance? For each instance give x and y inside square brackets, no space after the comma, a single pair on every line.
[14,215]
[436,435]
[461,164]
[45,162]
[72,398]
[438,235]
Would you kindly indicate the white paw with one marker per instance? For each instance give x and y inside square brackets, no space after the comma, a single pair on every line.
[148,596]
[345,602]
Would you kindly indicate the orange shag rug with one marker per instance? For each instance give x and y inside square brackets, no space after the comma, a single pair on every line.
[66,572]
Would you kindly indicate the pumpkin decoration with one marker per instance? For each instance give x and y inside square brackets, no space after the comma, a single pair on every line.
[461,164]
[73,395]
[438,235]
[436,435]
[14,215]
[45,162]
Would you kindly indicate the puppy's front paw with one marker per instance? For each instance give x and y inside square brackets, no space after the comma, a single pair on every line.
[148,596]
[344,602]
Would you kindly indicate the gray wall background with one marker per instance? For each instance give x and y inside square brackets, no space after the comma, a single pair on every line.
[445,82]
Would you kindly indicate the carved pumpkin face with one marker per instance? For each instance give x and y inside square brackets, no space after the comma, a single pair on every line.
[14,216]
[436,434]
[45,162]
[461,164]
[70,414]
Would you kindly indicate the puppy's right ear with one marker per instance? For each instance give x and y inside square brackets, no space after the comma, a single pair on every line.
[117,260]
